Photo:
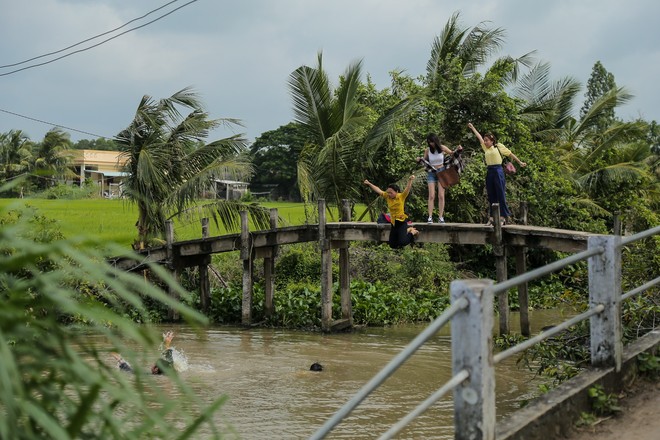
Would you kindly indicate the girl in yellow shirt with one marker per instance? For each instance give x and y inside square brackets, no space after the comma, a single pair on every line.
[401,234]
[495,182]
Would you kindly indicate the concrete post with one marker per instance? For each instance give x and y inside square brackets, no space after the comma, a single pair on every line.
[605,288]
[326,271]
[472,350]
[246,256]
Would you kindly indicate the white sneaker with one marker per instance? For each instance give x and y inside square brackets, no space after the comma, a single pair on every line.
[430,220]
[441,220]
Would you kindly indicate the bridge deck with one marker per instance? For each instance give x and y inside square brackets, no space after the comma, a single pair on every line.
[189,252]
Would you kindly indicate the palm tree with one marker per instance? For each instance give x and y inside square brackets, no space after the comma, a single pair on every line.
[466,49]
[51,161]
[16,155]
[457,91]
[169,165]
[599,159]
[345,140]
[545,106]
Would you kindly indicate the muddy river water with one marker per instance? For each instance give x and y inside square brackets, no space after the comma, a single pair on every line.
[273,395]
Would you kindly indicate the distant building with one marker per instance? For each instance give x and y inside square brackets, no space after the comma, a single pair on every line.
[230,189]
[102,167]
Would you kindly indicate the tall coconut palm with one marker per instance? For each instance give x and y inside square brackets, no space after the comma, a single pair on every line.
[345,140]
[51,162]
[15,154]
[466,49]
[458,92]
[169,165]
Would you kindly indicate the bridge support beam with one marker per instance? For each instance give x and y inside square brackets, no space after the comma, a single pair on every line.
[521,268]
[269,270]
[204,284]
[345,270]
[246,256]
[172,314]
[326,271]
[472,350]
[500,270]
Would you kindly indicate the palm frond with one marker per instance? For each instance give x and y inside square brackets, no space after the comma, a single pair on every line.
[312,98]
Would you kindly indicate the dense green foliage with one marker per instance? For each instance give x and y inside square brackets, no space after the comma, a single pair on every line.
[56,381]
[387,286]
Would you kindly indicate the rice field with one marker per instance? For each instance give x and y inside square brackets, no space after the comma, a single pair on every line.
[114,219]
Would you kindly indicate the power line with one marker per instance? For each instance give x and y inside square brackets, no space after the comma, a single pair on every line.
[89,39]
[54,125]
[98,44]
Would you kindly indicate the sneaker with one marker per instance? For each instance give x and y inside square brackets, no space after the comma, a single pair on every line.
[441,220]
[430,219]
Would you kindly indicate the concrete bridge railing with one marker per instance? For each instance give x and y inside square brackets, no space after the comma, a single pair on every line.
[471,318]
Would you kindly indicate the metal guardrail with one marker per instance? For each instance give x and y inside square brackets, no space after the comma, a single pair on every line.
[391,367]
[474,404]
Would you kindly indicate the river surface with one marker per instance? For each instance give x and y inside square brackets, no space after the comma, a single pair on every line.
[273,395]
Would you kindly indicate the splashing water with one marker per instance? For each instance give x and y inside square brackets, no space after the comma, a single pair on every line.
[180,360]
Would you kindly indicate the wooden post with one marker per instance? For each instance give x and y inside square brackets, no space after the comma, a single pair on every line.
[605,288]
[500,271]
[521,268]
[344,269]
[269,270]
[524,209]
[472,350]
[204,285]
[326,271]
[523,294]
[616,227]
[246,256]
[172,314]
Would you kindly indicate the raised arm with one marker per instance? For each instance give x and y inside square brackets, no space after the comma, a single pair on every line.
[374,187]
[476,133]
[409,185]
[167,339]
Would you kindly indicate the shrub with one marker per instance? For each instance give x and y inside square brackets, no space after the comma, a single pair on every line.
[55,382]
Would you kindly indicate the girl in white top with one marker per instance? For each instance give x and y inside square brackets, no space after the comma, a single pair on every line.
[435,155]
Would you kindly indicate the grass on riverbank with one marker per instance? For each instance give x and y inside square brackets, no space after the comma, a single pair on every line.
[114,220]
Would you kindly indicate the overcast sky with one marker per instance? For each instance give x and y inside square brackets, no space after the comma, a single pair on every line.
[238,54]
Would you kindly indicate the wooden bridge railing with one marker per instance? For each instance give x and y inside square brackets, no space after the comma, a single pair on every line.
[265,244]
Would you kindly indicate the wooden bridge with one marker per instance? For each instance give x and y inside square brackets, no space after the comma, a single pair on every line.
[264,244]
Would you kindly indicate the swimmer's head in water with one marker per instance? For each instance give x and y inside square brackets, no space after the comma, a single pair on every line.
[316,367]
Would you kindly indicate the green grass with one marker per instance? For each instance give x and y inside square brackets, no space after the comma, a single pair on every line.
[114,220]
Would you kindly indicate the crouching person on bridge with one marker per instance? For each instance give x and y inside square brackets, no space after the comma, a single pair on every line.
[401,233]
